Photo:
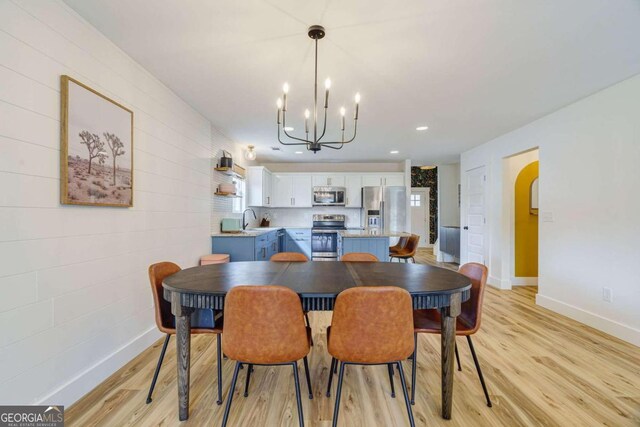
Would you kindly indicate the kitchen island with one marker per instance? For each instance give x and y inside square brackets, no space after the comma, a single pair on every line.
[368,240]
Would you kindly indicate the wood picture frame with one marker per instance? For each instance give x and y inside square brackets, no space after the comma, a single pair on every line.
[96,152]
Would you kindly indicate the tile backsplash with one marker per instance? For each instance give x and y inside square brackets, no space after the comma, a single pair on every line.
[303,217]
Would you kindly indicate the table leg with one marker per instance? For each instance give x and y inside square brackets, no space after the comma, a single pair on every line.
[183,354]
[448,317]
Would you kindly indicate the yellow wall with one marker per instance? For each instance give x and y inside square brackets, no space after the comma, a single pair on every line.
[526,224]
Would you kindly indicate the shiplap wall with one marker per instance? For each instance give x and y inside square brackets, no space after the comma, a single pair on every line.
[75,302]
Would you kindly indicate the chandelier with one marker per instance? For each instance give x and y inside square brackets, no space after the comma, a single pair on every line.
[315,144]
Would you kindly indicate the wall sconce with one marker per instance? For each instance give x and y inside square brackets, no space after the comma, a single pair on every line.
[250,153]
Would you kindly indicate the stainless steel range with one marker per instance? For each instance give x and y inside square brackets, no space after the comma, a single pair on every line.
[324,237]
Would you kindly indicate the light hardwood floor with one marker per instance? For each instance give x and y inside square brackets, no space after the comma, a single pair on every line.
[541,369]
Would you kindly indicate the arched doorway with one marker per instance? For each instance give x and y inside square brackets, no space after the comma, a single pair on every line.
[526,224]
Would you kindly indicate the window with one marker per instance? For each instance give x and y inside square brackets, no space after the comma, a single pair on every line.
[416,200]
[239,203]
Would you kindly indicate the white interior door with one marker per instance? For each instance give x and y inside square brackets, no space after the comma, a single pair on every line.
[474,228]
[419,204]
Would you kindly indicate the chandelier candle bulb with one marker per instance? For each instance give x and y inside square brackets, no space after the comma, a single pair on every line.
[342,113]
[357,98]
[306,121]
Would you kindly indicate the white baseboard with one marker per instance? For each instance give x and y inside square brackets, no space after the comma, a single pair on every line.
[524,281]
[611,327]
[498,283]
[87,380]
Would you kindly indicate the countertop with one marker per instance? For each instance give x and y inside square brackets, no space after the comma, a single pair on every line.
[371,232]
[256,231]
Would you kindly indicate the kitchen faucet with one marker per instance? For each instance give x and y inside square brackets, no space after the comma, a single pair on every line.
[244,225]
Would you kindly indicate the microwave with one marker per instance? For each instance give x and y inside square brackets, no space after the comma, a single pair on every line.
[329,196]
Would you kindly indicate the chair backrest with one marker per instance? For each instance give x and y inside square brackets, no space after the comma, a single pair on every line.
[264,324]
[289,257]
[402,241]
[372,324]
[157,273]
[471,310]
[412,245]
[359,257]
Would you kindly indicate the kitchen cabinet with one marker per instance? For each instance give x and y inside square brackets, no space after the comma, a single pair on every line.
[247,248]
[259,186]
[331,180]
[382,180]
[299,240]
[354,191]
[378,246]
[292,190]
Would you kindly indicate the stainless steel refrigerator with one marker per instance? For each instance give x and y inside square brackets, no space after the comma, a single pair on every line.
[384,208]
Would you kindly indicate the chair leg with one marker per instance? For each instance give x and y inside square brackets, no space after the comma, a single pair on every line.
[414,367]
[225,418]
[298,398]
[413,259]
[458,358]
[219,345]
[406,395]
[306,318]
[306,372]
[336,407]
[333,364]
[475,360]
[155,374]
[246,385]
[393,387]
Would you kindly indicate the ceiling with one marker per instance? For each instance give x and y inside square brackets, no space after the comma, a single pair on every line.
[470,70]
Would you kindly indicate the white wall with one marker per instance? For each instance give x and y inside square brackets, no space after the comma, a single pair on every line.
[75,303]
[589,154]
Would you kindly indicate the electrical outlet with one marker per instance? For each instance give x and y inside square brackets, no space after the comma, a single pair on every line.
[607,294]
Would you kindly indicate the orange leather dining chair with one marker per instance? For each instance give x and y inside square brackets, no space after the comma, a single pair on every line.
[359,257]
[203,321]
[293,257]
[264,325]
[402,242]
[409,250]
[289,257]
[468,322]
[371,325]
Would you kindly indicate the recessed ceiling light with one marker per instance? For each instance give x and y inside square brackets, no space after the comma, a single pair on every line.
[394,152]
[422,128]
[298,152]
[288,128]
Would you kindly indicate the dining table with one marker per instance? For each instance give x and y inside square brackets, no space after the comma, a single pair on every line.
[318,284]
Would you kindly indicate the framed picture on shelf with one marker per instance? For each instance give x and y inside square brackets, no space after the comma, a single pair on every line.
[96,156]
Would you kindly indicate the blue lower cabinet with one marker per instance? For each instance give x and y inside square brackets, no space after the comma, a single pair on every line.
[378,246]
[262,247]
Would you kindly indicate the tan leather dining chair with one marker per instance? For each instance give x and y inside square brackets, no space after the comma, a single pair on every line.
[371,325]
[467,324]
[402,242]
[409,250]
[359,257]
[289,257]
[264,325]
[203,322]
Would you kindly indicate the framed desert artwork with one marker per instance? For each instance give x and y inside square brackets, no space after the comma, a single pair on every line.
[97,148]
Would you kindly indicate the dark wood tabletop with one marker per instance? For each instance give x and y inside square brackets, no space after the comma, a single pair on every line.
[317,283]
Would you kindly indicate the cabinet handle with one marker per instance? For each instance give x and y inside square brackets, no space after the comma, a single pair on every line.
[264,252]
[347,201]
[328,181]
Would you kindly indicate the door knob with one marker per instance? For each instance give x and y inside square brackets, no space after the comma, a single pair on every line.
[465,227]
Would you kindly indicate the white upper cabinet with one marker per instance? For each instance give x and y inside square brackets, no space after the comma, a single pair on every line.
[259,186]
[302,191]
[291,190]
[383,179]
[354,191]
[328,180]
[393,179]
